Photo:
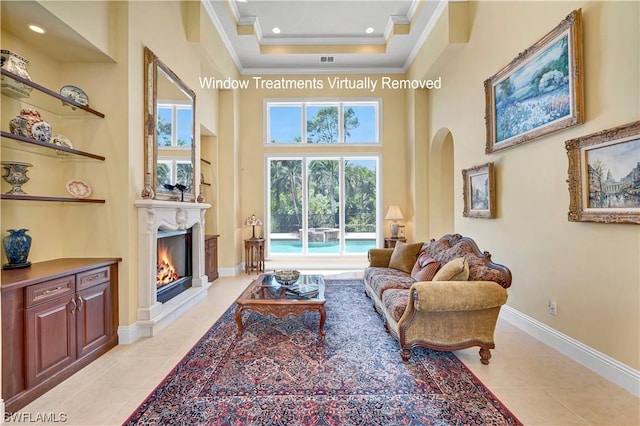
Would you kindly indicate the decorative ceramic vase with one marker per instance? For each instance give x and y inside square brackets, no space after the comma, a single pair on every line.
[16,175]
[16,246]
[200,198]
[17,65]
[14,63]
[147,190]
[31,125]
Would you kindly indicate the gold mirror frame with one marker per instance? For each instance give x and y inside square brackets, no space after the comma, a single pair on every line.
[151,65]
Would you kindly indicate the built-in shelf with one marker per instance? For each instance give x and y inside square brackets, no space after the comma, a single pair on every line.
[43,98]
[46,198]
[23,143]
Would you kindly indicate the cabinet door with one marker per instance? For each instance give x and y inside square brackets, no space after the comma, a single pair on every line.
[211,258]
[50,338]
[94,318]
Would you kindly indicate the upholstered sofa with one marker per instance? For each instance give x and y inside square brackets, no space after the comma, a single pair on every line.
[443,295]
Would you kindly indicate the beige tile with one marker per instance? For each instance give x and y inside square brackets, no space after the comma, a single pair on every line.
[537,407]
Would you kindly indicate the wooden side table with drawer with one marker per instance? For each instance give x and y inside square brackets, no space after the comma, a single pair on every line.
[391,242]
[254,255]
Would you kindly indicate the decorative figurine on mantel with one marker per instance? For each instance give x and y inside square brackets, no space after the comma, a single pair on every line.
[180,187]
[16,246]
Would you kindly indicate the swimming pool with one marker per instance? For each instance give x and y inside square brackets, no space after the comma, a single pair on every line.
[295,246]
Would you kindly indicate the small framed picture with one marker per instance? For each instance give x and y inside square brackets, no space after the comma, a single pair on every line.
[400,231]
[479,192]
[604,176]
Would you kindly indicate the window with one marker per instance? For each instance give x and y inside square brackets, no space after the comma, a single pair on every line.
[320,123]
[322,205]
[174,138]
[174,125]
[172,171]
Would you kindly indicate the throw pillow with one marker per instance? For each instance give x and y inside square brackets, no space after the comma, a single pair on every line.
[455,270]
[425,268]
[404,256]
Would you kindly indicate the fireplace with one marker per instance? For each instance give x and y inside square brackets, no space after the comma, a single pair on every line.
[174,263]
[158,222]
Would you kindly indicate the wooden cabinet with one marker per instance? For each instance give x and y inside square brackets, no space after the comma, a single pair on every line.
[57,317]
[211,257]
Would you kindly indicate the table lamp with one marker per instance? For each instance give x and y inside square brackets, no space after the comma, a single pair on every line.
[253,221]
[394,214]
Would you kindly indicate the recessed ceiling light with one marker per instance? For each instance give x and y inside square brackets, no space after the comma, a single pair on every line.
[36,29]
[276,30]
[369,30]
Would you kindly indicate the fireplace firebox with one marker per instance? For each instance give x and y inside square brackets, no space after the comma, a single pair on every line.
[174,264]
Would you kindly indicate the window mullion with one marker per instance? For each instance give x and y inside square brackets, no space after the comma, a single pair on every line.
[340,123]
[303,106]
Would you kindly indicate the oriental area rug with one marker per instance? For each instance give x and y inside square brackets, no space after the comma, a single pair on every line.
[279,372]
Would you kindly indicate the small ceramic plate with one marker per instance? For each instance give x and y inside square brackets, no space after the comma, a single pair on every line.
[78,188]
[76,94]
[61,140]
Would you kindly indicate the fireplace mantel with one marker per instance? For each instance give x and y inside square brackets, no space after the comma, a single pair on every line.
[167,215]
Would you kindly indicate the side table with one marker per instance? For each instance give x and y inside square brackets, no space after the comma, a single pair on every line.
[391,242]
[254,255]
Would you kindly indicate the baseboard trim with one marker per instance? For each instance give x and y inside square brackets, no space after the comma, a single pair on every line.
[609,368]
[127,334]
[231,272]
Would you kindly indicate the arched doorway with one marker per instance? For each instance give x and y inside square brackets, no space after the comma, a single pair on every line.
[441,184]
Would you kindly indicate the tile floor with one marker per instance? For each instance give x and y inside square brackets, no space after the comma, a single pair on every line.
[538,384]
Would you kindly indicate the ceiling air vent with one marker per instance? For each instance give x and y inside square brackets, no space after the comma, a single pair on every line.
[327,59]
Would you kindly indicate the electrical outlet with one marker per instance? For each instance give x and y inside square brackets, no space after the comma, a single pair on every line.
[553,309]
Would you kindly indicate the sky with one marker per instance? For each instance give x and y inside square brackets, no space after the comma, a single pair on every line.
[286,123]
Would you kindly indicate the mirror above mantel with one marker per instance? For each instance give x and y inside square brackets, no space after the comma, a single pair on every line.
[169,138]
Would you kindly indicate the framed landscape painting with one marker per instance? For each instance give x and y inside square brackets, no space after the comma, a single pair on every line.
[540,91]
[604,176]
[478,187]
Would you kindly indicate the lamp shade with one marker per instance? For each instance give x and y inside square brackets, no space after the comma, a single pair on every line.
[253,220]
[394,213]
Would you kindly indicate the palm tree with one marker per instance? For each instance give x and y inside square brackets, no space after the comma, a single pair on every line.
[286,187]
[324,176]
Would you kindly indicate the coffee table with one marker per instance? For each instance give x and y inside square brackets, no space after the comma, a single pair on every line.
[266,297]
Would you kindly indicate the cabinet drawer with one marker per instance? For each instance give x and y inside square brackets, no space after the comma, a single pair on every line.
[49,290]
[93,277]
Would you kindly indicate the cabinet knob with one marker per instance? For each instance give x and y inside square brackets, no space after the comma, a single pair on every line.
[74,305]
[52,290]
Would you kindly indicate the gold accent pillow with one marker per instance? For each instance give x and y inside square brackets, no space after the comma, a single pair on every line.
[404,256]
[454,270]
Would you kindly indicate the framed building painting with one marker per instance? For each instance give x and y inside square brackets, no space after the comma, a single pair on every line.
[540,92]
[478,187]
[604,176]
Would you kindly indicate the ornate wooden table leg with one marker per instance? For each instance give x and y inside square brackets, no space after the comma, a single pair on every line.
[323,318]
[239,311]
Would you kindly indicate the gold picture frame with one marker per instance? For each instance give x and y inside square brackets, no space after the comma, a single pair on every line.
[604,176]
[478,187]
[540,92]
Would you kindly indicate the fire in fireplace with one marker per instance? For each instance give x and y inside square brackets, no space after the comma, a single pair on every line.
[174,263]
